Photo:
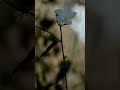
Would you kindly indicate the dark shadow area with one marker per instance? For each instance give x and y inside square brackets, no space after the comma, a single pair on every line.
[102,45]
[16,41]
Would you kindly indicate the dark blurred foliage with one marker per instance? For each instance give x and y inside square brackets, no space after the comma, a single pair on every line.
[16,42]
[60,76]
[46,23]
[49,1]
[64,68]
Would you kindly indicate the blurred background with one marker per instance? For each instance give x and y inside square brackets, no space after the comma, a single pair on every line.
[48,67]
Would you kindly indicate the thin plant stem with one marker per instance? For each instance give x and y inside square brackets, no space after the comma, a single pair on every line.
[63,57]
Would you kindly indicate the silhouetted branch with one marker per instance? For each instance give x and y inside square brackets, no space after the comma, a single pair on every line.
[53,44]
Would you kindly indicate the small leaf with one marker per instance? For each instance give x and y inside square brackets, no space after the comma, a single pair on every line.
[28,59]
[48,49]
[65,67]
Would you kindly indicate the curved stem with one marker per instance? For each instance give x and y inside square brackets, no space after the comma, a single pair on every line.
[63,57]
